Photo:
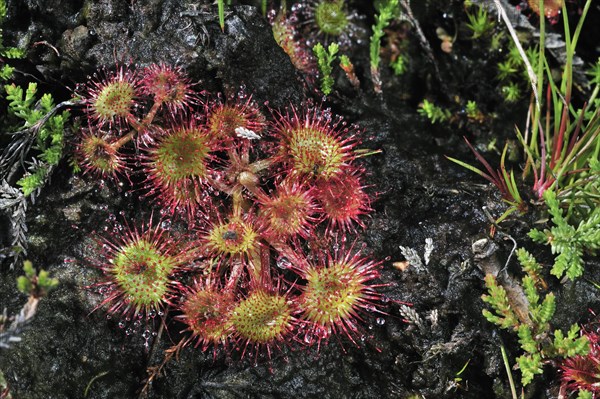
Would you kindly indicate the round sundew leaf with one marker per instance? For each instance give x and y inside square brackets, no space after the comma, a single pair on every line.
[330,17]
[262,317]
[315,152]
[181,155]
[142,272]
[234,237]
[332,293]
[114,100]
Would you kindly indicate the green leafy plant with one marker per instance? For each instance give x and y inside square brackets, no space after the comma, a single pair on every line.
[479,22]
[34,283]
[473,111]
[511,92]
[399,65]
[49,140]
[36,286]
[433,112]
[561,146]
[387,9]
[325,60]
[532,321]
[6,70]
[568,241]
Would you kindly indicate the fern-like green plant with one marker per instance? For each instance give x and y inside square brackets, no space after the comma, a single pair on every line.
[568,241]
[504,316]
[50,131]
[536,339]
[6,71]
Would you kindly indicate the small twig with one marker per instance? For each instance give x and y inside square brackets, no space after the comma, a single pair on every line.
[45,43]
[155,371]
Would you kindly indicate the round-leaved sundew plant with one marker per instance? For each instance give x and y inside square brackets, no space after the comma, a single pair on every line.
[313,144]
[338,289]
[262,319]
[227,120]
[257,207]
[168,86]
[139,268]
[207,310]
[290,211]
[343,200]
[99,155]
[177,165]
[110,97]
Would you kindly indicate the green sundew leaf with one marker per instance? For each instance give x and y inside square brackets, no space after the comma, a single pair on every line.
[583,394]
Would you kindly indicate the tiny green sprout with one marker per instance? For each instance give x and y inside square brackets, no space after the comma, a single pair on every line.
[399,65]
[35,284]
[433,112]
[506,69]
[472,109]
[457,382]
[511,92]
[325,60]
[345,61]
[479,23]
